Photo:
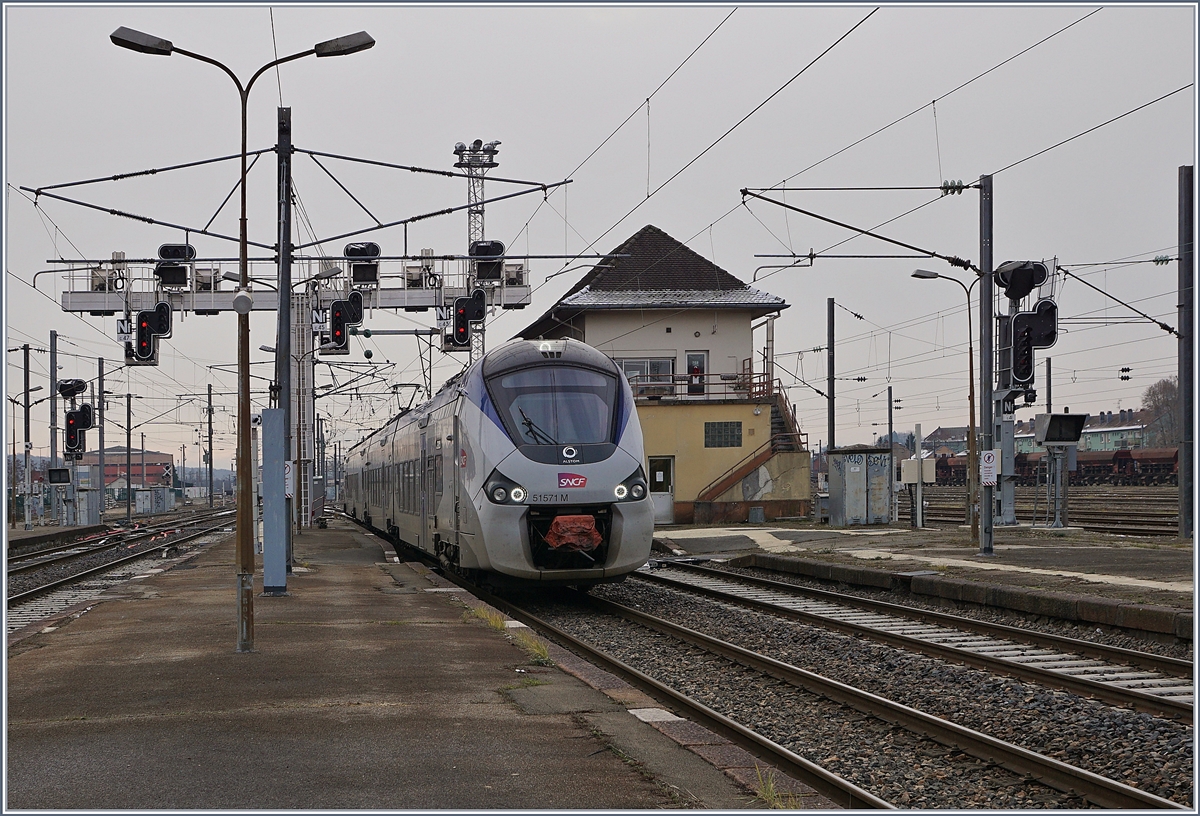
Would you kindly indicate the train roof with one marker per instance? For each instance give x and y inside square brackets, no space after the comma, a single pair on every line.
[524,353]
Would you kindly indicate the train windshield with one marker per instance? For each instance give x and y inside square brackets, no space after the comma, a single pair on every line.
[556,405]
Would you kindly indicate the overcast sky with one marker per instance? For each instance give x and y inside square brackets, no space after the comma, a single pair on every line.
[552,83]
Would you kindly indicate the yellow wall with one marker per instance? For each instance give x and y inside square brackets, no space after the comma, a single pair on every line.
[677,429]
[790,474]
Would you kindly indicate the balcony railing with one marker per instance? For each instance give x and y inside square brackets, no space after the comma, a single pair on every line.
[703,386]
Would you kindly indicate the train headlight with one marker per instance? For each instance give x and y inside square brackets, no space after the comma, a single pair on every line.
[500,490]
[633,488]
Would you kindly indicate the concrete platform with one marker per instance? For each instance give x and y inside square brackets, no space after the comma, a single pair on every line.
[371,687]
[1137,583]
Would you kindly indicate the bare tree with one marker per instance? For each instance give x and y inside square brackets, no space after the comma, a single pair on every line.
[1161,400]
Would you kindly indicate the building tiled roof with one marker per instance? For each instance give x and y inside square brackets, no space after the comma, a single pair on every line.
[656,261]
[656,272]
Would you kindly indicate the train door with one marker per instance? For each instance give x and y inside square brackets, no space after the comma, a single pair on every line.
[425,500]
[662,488]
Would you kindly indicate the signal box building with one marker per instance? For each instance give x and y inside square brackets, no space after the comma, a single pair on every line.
[720,434]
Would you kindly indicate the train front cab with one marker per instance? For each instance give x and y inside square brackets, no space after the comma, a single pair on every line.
[567,501]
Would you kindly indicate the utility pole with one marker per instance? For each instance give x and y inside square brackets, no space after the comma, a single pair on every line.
[129,459]
[283,332]
[829,376]
[891,465]
[100,434]
[12,516]
[183,471]
[1186,360]
[28,444]
[986,363]
[54,495]
[919,515]
[143,462]
[210,448]
[1049,401]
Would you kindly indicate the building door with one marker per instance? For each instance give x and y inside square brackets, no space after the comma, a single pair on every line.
[662,488]
[697,366]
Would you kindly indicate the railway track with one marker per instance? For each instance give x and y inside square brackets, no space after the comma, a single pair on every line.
[51,584]
[63,553]
[1147,682]
[860,749]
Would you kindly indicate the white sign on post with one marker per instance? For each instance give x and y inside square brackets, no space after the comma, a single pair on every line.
[124,335]
[289,481]
[443,316]
[987,468]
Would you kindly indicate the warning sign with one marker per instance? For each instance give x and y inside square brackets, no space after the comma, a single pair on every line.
[987,468]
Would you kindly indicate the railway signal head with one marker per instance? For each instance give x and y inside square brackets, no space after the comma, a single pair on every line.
[338,336]
[150,325]
[1019,278]
[1022,356]
[74,437]
[462,322]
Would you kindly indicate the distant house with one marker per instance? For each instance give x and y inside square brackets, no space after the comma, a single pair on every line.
[1105,431]
[720,436]
[946,441]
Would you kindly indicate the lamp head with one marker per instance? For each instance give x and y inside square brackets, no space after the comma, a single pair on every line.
[138,41]
[340,47]
[243,302]
[925,274]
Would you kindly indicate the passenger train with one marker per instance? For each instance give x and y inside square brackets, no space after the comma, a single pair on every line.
[525,469]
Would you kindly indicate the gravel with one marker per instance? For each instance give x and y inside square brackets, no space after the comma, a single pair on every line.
[1147,752]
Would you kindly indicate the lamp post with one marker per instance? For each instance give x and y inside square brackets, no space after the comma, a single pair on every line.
[148,44]
[972,453]
[28,487]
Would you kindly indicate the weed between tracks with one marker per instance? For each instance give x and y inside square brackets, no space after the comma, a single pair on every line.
[535,647]
[767,793]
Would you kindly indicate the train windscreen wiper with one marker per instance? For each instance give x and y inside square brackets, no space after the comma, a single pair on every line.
[535,433]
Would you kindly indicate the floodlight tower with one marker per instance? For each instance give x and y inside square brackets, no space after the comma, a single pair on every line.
[477,159]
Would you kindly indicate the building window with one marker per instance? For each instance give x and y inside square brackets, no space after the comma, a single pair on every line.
[722,434]
[649,377]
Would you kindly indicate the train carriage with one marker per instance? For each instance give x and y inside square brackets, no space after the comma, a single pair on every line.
[525,469]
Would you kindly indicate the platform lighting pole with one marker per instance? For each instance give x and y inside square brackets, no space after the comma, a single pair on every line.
[54,499]
[148,44]
[986,362]
[829,376]
[210,448]
[129,460]
[28,444]
[972,452]
[1186,358]
[100,392]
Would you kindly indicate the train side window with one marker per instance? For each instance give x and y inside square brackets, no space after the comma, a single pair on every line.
[437,474]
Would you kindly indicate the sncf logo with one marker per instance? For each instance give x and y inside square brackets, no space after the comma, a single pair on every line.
[571,480]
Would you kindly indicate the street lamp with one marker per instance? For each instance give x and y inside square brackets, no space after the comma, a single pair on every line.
[972,453]
[28,445]
[149,44]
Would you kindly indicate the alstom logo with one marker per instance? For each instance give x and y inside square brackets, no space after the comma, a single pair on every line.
[571,480]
